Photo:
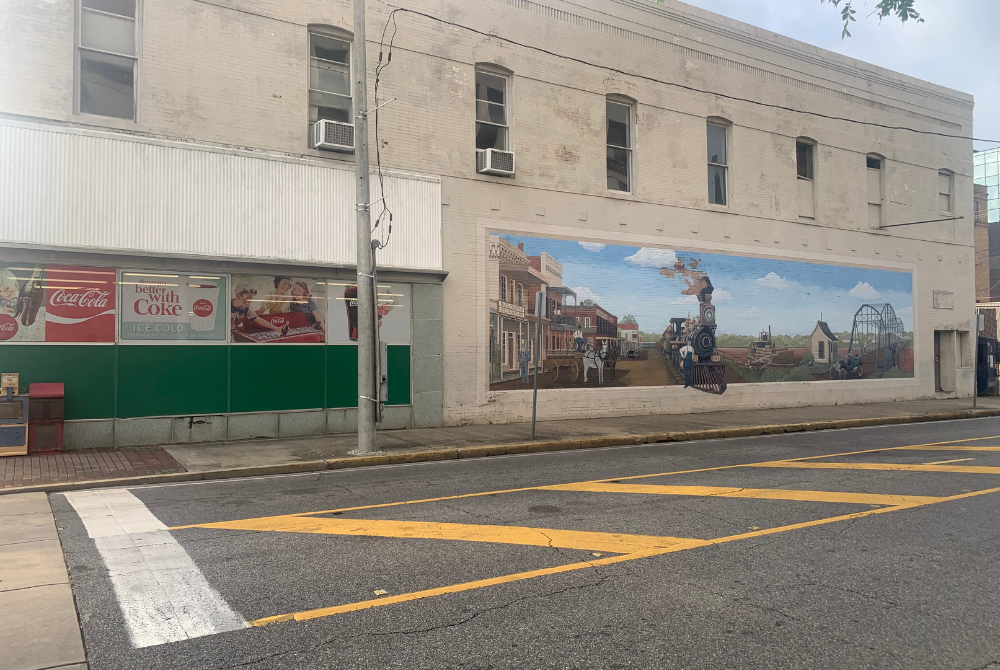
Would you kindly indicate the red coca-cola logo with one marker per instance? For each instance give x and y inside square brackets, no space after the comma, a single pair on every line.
[202,307]
[79,304]
[8,326]
[79,298]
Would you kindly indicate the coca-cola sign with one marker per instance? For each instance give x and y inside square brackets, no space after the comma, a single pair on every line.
[79,304]
[87,298]
[162,305]
[8,326]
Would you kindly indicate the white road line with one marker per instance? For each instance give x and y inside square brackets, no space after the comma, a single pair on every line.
[162,594]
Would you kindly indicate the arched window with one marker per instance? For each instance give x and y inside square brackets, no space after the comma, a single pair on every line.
[946,185]
[876,168]
[329,75]
[718,161]
[805,167]
[619,112]
[492,107]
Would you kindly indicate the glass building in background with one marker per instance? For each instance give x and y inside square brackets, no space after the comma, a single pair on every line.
[986,166]
[987,172]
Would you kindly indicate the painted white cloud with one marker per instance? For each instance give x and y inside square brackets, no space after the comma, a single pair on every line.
[584,293]
[651,257]
[592,246]
[864,291]
[772,280]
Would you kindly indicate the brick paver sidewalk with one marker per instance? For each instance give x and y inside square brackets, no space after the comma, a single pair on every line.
[72,466]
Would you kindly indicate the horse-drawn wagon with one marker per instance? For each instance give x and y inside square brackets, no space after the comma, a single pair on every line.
[570,363]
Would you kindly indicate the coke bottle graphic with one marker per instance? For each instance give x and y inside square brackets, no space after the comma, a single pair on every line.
[29,298]
[351,301]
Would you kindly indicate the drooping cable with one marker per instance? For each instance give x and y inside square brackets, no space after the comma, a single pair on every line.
[493,35]
[379,69]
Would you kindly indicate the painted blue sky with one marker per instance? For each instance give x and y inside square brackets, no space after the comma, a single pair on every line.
[750,293]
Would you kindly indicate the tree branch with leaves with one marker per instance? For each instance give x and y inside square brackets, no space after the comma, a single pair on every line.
[901,9]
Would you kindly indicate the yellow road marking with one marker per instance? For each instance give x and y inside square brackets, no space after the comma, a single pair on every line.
[737,492]
[454,588]
[929,446]
[915,467]
[956,460]
[949,448]
[467,586]
[618,543]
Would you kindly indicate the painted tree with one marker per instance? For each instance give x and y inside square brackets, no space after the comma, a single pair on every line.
[628,318]
[587,303]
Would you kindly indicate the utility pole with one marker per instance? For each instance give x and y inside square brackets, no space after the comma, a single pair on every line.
[367,391]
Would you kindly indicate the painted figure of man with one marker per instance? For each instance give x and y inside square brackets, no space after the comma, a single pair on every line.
[578,336]
[523,357]
[687,356]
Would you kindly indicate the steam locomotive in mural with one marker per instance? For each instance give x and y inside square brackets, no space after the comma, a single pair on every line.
[689,345]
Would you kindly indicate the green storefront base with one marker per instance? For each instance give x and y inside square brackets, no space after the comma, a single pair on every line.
[134,381]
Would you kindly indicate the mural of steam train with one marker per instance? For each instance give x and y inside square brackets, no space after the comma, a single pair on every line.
[704,370]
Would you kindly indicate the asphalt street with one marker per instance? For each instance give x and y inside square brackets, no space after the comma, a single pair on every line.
[863,548]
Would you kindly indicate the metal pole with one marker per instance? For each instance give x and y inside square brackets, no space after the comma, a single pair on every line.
[367,390]
[975,369]
[539,308]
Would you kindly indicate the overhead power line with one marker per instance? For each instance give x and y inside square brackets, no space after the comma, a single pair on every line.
[693,89]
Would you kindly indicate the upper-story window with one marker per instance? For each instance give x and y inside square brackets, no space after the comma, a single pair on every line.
[586,322]
[619,140]
[520,295]
[503,288]
[492,123]
[875,165]
[805,169]
[108,61]
[718,164]
[945,186]
[329,79]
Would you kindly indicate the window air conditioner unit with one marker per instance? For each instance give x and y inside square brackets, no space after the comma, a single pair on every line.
[494,161]
[333,136]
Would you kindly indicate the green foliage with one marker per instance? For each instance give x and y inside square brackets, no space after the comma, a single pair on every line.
[628,318]
[902,9]
[649,337]
[587,303]
[807,359]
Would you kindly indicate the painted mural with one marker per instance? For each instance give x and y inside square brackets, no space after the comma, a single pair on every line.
[645,316]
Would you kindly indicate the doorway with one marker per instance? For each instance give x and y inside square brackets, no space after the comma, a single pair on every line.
[937,360]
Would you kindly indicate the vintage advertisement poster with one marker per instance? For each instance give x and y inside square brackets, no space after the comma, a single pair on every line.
[648,316]
[270,309]
[22,304]
[393,312]
[57,303]
[159,305]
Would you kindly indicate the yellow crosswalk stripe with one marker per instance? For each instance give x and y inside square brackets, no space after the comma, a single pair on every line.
[947,448]
[618,543]
[737,492]
[914,467]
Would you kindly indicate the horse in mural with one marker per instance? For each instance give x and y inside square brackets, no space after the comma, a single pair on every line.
[594,358]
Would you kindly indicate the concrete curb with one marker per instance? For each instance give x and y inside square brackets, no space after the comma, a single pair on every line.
[502,449]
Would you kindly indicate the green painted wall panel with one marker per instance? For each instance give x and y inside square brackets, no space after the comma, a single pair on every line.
[342,375]
[86,371]
[161,380]
[271,377]
[398,374]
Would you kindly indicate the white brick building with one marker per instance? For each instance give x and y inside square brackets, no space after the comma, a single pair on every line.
[233,79]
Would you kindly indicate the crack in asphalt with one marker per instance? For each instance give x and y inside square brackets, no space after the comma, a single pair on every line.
[339,638]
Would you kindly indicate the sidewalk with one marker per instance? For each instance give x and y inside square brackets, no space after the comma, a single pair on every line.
[39,628]
[84,469]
